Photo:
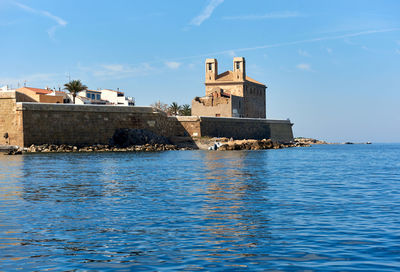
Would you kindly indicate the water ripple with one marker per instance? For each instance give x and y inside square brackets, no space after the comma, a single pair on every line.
[324,208]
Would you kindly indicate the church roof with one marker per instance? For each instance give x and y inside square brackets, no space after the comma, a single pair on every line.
[254,81]
[228,76]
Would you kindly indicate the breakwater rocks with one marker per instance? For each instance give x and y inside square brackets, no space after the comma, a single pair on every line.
[123,140]
[225,144]
[46,148]
[309,141]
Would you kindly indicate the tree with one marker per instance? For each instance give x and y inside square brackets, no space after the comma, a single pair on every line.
[74,87]
[185,110]
[174,108]
[160,106]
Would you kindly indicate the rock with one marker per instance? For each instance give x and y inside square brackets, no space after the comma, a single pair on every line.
[223,147]
[129,137]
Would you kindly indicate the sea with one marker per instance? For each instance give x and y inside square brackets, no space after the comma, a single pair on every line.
[319,208]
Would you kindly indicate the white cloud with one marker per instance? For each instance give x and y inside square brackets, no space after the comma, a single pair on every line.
[206,13]
[60,22]
[34,80]
[304,66]
[231,53]
[303,53]
[114,67]
[117,71]
[173,64]
[276,45]
[272,15]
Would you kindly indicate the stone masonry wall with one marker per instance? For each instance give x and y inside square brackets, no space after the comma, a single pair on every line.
[222,106]
[281,130]
[237,128]
[38,123]
[85,124]
[10,120]
[185,125]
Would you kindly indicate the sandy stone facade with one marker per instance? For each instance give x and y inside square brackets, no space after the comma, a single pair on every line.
[24,123]
[43,95]
[237,128]
[230,94]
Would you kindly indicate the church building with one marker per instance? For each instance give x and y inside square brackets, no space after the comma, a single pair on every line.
[230,94]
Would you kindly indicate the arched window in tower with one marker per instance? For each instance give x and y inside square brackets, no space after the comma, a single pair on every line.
[237,65]
[209,66]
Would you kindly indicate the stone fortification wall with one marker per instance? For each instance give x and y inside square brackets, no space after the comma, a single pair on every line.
[237,128]
[11,132]
[185,126]
[281,130]
[28,123]
[85,124]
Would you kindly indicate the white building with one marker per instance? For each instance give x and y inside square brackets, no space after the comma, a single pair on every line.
[104,97]
[5,89]
[117,98]
[89,97]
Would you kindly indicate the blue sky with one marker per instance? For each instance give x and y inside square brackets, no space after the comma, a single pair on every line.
[332,67]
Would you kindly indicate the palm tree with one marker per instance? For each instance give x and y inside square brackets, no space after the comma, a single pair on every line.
[185,110]
[74,87]
[174,108]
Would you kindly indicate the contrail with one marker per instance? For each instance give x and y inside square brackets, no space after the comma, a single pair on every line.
[326,38]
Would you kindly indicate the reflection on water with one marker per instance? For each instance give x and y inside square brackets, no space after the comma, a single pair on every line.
[321,208]
[233,222]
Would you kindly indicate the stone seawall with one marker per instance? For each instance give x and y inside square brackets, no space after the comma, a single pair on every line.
[237,128]
[26,123]
[11,132]
[85,124]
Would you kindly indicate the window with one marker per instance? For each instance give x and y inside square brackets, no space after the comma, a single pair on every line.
[209,66]
[98,97]
[88,95]
[93,96]
[237,65]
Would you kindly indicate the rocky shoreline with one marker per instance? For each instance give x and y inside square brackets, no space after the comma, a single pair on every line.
[310,141]
[140,140]
[52,148]
[226,144]
[221,144]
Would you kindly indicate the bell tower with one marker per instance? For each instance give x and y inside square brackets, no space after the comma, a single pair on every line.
[239,69]
[211,69]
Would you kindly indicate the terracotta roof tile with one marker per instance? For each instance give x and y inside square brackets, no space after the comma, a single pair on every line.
[40,91]
[228,76]
[254,81]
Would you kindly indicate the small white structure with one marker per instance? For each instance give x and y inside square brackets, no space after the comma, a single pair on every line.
[117,98]
[104,97]
[5,89]
[90,97]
